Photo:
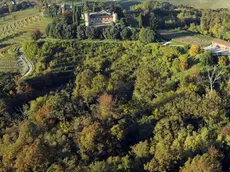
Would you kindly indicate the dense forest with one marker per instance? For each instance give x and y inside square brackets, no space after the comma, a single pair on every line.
[115,100]
[116,106]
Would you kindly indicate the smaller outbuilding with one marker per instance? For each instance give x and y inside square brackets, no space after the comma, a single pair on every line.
[224,45]
[219,47]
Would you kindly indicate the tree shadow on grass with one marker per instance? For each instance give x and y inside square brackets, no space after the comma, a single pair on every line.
[169,35]
[12,36]
[127,4]
[4,45]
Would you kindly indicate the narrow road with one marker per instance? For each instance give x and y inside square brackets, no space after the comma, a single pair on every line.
[23,58]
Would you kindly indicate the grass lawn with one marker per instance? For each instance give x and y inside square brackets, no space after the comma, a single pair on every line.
[185,37]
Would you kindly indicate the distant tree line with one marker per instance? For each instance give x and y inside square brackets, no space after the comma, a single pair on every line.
[167,15]
[53,10]
[210,22]
[111,32]
[214,23]
[120,32]
[8,7]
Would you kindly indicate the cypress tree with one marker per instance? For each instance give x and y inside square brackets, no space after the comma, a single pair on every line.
[78,15]
[86,6]
[73,14]
[94,6]
[140,20]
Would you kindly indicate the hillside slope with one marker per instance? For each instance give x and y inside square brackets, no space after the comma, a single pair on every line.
[201,3]
[196,3]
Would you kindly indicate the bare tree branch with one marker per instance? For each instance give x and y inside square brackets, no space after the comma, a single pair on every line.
[214,77]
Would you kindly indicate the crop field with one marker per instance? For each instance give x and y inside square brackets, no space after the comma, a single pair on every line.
[185,37]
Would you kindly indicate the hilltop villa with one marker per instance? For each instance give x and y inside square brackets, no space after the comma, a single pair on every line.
[100,18]
[219,47]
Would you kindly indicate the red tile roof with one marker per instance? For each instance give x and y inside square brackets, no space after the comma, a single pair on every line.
[107,16]
[221,42]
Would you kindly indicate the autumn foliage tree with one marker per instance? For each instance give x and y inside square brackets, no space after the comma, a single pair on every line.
[194,50]
[201,163]
[105,106]
[37,34]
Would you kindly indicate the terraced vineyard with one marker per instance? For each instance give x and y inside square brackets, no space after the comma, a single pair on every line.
[8,62]
[17,15]
[16,32]
[17,27]
[25,33]
[14,27]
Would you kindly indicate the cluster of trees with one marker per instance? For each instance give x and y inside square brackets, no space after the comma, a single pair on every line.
[3,9]
[52,10]
[55,10]
[205,21]
[70,17]
[214,23]
[151,14]
[67,26]
[104,106]
[168,16]
[126,107]
[64,31]
[8,7]
[165,15]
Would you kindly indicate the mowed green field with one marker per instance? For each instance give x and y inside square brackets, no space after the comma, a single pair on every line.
[185,37]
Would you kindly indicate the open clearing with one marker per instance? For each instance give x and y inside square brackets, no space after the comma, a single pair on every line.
[185,37]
